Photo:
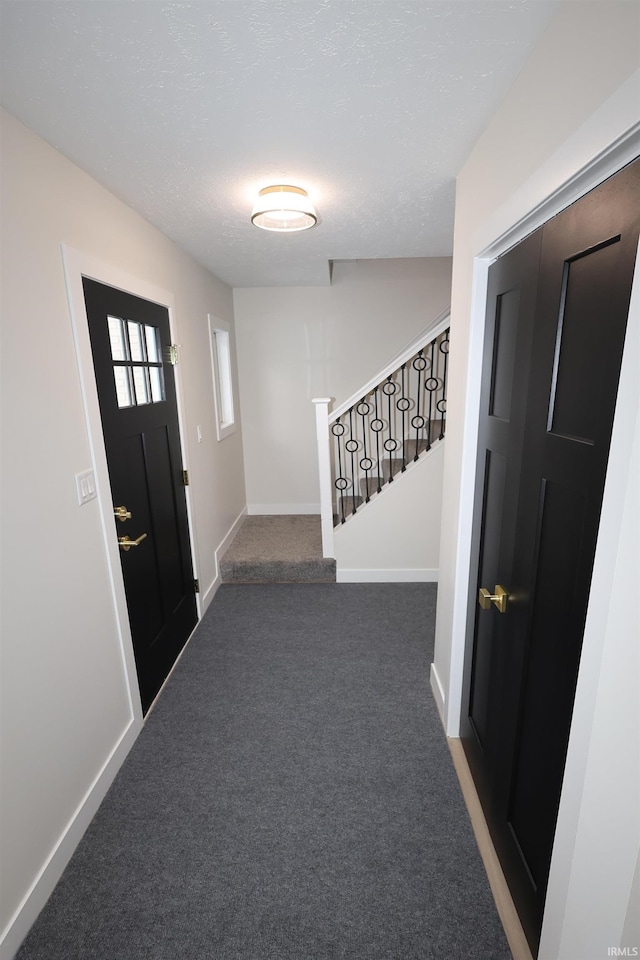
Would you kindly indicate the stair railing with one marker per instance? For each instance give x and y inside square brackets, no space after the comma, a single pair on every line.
[366,442]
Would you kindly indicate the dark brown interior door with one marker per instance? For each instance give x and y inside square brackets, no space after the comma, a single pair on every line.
[130,339]
[556,319]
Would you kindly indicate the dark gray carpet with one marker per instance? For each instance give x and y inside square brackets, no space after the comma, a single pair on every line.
[291,797]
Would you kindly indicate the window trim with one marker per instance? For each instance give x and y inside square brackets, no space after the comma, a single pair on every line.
[222,374]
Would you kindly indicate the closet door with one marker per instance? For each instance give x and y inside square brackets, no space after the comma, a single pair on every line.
[511,303]
[567,355]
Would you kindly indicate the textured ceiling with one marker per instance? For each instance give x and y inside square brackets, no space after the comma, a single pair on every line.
[184,110]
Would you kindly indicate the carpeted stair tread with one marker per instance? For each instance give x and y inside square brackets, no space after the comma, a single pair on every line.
[279,571]
[370,485]
[348,505]
[390,467]
[278,549]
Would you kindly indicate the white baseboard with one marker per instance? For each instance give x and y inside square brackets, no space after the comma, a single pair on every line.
[220,551]
[438,692]
[280,509]
[387,576]
[224,545]
[42,887]
[210,592]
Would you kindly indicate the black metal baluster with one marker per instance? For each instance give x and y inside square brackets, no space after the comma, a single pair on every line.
[363,410]
[418,365]
[352,445]
[376,426]
[389,442]
[402,406]
[444,350]
[431,384]
[340,484]
[417,416]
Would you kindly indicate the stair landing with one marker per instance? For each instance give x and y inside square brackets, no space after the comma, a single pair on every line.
[278,549]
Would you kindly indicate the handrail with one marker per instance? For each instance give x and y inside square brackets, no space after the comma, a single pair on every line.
[430,333]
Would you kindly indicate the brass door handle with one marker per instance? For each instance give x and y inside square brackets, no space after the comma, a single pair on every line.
[500,597]
[121,513]
[126,542]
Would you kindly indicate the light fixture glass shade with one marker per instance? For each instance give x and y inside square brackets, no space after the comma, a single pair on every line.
[284,209]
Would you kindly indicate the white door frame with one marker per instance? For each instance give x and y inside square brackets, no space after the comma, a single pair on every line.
[76,266]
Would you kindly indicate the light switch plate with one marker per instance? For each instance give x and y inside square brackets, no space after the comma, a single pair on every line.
[85,486]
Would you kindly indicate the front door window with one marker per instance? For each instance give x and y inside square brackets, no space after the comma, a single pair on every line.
[137,362]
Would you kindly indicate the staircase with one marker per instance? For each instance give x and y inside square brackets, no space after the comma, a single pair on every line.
[390,467]
[368,441]
[363,447]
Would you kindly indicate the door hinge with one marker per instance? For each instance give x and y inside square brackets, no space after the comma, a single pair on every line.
[185,477]
[196,584]
[171,354]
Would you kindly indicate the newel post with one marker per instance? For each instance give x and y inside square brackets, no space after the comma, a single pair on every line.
[324,465]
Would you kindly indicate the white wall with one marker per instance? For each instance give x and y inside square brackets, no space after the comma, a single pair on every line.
[398,539]
[575,97]
[297,343]
[67,714]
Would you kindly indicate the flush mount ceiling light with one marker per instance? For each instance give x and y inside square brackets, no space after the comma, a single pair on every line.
[284,209]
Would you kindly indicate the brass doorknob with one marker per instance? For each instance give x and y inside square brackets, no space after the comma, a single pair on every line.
[126,543]
[499,598]
[121,513]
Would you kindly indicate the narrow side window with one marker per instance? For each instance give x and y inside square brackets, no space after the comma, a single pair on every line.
[222,380]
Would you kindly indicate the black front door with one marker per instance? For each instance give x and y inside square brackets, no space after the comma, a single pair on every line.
[556,318]
[130,340]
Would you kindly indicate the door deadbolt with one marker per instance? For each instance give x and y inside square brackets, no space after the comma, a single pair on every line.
[499,598]
[122,514]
